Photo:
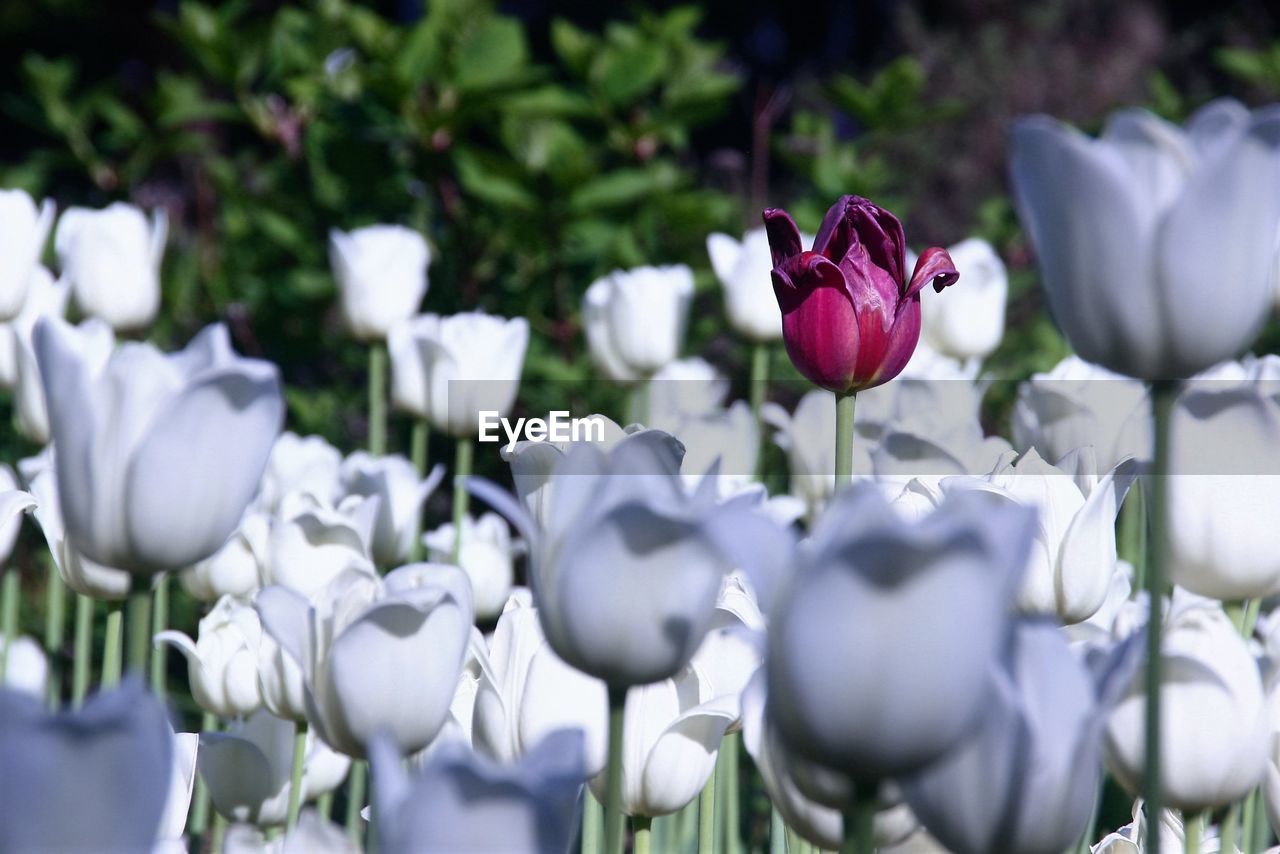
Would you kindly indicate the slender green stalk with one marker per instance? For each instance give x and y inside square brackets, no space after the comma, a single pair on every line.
[10,595]
[295,778]
[859,828]
[759,391]
[111,651]
[324,805]
[378,399]
[844,438]
[1192,829]
[219,833]
[418,454]
[707,818]
[638,408]
[1256,831]
[1163,395]
[1229,828]
[55,627]
[728,803]
[356,784]
[1132,536]
[592,823]
[461,471]
[82,660]
[160,622]
[641,827]
[199,819]
[1251,609]
[777,832]
[614,817]
[1246,823]
[138,627]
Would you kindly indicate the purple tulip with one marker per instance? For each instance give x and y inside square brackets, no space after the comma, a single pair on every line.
[850,318]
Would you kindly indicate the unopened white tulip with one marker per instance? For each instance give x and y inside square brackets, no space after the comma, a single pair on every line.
[744,269]
[305,464]
[158,456]
[487,556]
[400,492]
[45,297]
[685,388]
[382,276]
[312,543]
[635,320]
[969,323]
[222,662]
[1214,735]
[112,258]
[24,230]
[532,465]
[26,668]
[92,340]
[236,569]
[468,363]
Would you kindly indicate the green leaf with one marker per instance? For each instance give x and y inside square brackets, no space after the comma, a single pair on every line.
[623,187]
[492,54]
[548,100]
[575,47]
[487,183]
[624,74]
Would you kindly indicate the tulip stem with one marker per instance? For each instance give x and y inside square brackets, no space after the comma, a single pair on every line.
[55,627]
[1133,535]
[641,829]
[777,832]
[159,622]
[377,400]
[10,594]
[614,818]
[324,805]
[859,828]
[1163,392]
[1229,829]
[200,800]
[844,438]
[355,798]
[638,403]
[82,657]
[295,777]
[138,627]
[111,644]
[759,391]
[1193,828]
[592,822]
[418,455]
[707,818]
[461,471]
[1248,820]
[727,803]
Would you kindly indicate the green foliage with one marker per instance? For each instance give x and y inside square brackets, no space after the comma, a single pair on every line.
[1260,68]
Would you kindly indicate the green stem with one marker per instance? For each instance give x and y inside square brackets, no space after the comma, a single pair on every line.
[111,644]
[859,828]
[324,805]
[1163,395]
[219,833]
[1229,828]
[200,799]
[844,438]
[82,662]
[728,803]
[614,817]
[160,622]
[418,454]
[377,399]
[1192,828]
[759,391]
[592,823]
[10,595]
[295,778]
[355,798]
[461,471]
[1132,540]
[707,818]
[138,627]
[641,827]
[1249,823]
[55,627]
[638,405]
[777,832]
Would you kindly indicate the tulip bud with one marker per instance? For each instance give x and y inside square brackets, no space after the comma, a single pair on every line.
[487,556]
[222,663]
[300,464]
[382,276]
[400,492]
[112,258]
[850,317]
[635,320]
[23,232]
[743,270]
[45,298]
[969,324]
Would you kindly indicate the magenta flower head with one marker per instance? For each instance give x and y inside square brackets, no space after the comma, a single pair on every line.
[850,318]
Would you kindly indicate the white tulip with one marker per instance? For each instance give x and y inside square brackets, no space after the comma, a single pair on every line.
[79,573]
[685,388]
[1172,213]
[93,342]
[13,502]
[158,456]
[745,271]
[532,465]
[808,436]
[969,323]
[24,230]
[358,638]
[236,569]
[312,835]
[1223,538]
[306,464]
[26,668]
[312,543]
[487,555]
[248,769]
[222,662]
[186,746]
[400,492]
[112,259]
[280,681]
[636,319]
[467,363]
[45,297]
[1070,567]
[1214,736]
[382,276]
[526,692]
[1078,404]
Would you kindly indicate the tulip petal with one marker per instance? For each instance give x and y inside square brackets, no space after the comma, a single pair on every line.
[933,267]
[784,235]
[285,616]
[684,756]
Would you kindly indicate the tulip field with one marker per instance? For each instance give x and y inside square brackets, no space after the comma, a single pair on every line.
[477,428]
